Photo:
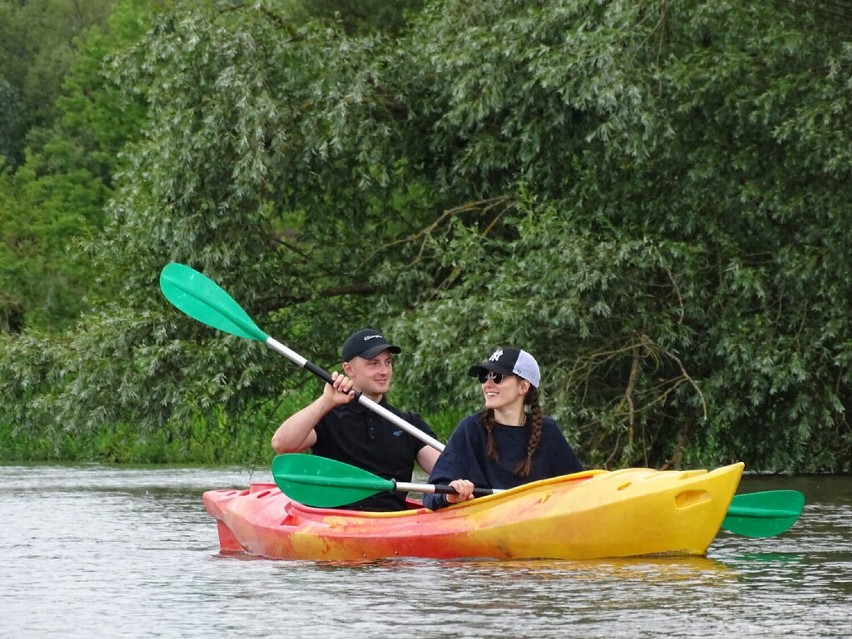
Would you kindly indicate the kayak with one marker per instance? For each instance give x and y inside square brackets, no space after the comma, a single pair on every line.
[588,515]
[593,514]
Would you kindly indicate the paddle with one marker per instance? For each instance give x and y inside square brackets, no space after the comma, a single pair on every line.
[764,514]
[754,515]
[325,483]
[202,299]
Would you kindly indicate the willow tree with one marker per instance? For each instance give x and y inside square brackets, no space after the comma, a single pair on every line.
[679,254]
[653,199]
[248,110]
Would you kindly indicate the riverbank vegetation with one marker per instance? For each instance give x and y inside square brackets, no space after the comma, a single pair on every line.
[655,199]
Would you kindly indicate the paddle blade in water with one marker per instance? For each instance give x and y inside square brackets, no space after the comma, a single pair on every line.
[764,514]
[324,483]
[202,299]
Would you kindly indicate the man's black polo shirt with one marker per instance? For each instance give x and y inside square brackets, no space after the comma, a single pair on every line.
[355,435]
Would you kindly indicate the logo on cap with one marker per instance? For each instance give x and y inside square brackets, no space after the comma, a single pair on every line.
[495,357]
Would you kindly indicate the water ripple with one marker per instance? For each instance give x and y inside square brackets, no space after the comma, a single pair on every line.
[130,552]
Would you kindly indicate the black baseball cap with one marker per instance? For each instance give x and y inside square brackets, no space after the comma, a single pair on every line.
[366,343]
[510,361]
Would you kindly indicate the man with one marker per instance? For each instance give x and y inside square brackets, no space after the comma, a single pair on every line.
[334,426]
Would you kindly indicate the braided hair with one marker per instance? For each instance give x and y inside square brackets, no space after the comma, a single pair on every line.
[535,415]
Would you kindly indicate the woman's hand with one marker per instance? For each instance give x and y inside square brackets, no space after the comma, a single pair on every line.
[464,488]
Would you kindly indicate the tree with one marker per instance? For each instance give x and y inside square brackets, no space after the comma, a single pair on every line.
[11,122]
[57,195]
[697,160]
[36,49]
[363,16]
[652,199]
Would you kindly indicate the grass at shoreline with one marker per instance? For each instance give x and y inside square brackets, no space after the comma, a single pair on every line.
[226,441]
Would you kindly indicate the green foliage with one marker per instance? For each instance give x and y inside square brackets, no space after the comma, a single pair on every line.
[363,16]
[192,438]
[652,198]
[57,195]
[266,182]
[125,444]
[12,126]
[700,145]
[42,282]
[37,48]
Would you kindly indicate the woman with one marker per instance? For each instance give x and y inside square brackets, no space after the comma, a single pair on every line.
[502,446]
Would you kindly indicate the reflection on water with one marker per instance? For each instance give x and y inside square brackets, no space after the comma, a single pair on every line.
[124,552]
[666,568]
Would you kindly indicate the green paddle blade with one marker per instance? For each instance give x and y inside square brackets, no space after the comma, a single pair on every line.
[324,483]
[764,514]
[202,299]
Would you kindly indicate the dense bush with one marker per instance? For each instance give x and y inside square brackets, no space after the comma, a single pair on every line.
[653,199]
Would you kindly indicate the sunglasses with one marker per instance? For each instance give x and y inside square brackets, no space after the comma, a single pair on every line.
[484,376]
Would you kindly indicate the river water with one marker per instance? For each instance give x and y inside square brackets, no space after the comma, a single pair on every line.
[130,552]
